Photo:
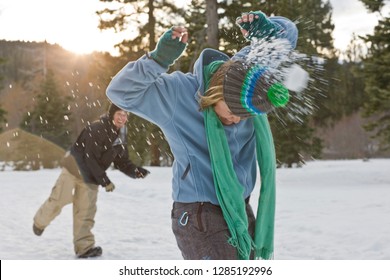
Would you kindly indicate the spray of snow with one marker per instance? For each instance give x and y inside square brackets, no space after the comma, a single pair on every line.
[292,69]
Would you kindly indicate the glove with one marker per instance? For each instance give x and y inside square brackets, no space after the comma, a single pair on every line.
[168,49]
[260,27]
[141,172]
[110,187]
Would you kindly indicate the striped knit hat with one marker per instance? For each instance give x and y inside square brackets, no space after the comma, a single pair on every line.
[251,90]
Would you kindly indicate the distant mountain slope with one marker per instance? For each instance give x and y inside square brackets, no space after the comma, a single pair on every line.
[82,77]
[24,151]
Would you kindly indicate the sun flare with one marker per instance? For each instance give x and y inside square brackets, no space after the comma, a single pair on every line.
[88,43]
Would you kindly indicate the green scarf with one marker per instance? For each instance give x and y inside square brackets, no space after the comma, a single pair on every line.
[229,190]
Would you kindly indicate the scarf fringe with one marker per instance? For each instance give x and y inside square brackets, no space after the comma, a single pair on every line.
[244,245]
[264,254]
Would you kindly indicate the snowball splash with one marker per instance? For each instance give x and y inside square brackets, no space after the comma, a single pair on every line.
[277,55]
[286,66]
[296,79]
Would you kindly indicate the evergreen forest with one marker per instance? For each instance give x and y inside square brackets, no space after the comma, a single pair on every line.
[52,93]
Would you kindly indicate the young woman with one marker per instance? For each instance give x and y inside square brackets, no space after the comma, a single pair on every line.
[214,120]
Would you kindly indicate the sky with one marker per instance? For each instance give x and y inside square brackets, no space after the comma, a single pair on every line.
[326,210]
[75,29]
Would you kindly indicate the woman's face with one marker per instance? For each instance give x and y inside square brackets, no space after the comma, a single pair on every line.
[224,114]
[120,119]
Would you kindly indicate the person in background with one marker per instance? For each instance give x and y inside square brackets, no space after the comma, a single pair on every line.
[100,144]
[216,124]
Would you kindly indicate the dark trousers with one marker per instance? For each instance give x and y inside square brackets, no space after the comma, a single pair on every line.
[202,233]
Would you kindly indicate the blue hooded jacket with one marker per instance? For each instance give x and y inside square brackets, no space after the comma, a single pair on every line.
[171,102]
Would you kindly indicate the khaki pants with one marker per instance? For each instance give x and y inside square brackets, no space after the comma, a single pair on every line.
[69,189]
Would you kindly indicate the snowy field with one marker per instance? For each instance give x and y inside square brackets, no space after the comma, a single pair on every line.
[327,210]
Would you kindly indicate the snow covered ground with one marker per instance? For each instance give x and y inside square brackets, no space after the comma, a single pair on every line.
[329,210]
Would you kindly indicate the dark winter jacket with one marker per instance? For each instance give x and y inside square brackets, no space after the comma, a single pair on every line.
[96,148]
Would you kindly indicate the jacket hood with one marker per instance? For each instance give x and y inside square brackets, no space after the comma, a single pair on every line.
[289,29]
[205,58]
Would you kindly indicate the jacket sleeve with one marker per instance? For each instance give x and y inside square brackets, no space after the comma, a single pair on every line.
[124,164]
[242,54]
[144,88]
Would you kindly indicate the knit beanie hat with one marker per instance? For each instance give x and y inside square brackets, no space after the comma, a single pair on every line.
[251,90]
[111,111]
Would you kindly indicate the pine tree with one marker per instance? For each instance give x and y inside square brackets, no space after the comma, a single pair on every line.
[373,5]
[50,116]
[140,139]
[293,142]
[148,20]
[3,118]
[352,77]
[3,113]
[313,19]
[377,74]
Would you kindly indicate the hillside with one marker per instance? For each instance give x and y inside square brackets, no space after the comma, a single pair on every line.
[21,150]
[81,77]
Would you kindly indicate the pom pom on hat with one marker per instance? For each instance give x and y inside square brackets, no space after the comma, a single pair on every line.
[278,95]
[252,90]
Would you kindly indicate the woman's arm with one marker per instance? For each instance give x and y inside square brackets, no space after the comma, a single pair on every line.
[143,87]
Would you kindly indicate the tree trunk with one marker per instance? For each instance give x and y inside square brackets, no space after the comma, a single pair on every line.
[212,23]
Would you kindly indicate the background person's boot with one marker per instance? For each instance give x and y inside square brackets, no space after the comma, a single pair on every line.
[37,231]
[93,252]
